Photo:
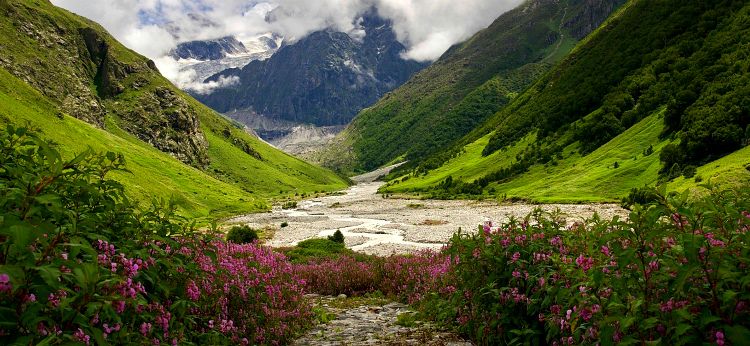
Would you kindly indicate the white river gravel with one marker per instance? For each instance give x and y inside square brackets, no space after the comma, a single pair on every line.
[376,225]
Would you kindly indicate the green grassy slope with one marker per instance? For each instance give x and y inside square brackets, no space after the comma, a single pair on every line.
[573,177]
[593,177]
[665,74]
[472,81]
[234,172]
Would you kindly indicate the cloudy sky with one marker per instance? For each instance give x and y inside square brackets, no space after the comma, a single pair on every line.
[152,27]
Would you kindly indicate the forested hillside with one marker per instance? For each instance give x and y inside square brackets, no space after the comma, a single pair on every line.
[663,85]
[468,84]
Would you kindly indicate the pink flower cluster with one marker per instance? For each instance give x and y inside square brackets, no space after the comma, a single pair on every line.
[249,293]
[660,269]
[410,278]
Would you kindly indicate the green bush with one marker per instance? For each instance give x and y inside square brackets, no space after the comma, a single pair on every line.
[242,235]
[643,196]
[316,249]
[337,237]
[689,171]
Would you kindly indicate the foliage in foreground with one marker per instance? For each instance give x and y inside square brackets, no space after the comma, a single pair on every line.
[79,263]
[674,272]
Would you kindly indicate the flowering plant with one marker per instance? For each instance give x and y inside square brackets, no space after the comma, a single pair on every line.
[674,272]
[80,263]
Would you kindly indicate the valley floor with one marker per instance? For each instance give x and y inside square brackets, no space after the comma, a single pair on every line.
[382,226]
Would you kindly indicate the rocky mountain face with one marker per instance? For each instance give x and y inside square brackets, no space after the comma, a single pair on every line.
[323,79]
[102,81]
[207,58]
[208,50]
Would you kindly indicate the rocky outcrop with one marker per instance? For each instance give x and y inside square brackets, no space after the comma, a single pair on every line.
[91,76]
[323,79]
[593,14]
[209,50]
[108,71]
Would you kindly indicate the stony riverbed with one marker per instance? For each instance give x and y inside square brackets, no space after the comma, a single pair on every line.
[375,225]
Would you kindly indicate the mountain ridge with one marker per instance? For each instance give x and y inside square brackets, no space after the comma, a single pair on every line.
[322,79]
[67,77]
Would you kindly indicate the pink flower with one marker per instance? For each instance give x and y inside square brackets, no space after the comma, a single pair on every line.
[476,253]
[192,291]
[145,328]
[487,227]
[54,299]
[79,335]
[5,285]
[605,251]
[585,263]
[119,306]
[516,256]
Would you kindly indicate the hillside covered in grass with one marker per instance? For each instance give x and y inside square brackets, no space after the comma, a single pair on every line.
[468,84]
[658,94]
[68,78]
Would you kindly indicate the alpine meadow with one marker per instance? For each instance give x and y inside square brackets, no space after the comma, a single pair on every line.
[374,172]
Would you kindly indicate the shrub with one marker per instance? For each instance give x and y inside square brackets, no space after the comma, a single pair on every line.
[284,224]
[689,171]
[242,235]
[80,263]
[289,205]
[672,273]
[315,250]
[409,278]
[643,196]
[337,237]
[648,151]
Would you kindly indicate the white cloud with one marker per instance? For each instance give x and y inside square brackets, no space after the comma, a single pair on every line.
[152,27]
[187,79]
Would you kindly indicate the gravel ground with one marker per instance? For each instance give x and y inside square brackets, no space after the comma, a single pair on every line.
[376,225]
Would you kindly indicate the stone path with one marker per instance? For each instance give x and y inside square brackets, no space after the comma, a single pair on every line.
[374,324]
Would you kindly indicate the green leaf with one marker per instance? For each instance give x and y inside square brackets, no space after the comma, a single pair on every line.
[51,276]
[737,334]
[8,318]
[682,329]
[649,323]
[626,322]
[708,319]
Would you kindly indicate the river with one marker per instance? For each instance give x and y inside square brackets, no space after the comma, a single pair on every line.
[382,226]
